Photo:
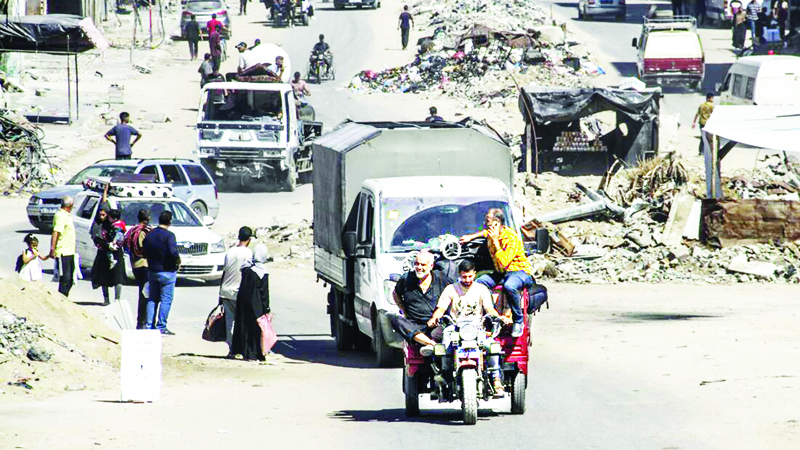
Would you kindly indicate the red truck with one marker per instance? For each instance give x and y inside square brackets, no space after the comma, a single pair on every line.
[670,52]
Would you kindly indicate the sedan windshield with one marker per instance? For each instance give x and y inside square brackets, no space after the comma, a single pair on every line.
[182,216]
[414,223]
[100,171]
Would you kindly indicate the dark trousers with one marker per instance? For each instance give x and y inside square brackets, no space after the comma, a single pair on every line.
[141,275]
[193,48]
[513,283]
[215,61]
[67,274]
[122,157]
[404,36]
[242,6]
[409,328]
[702,147]
[677,7]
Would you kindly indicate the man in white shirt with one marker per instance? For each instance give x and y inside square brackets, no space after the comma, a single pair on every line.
[232,278]
[243,54]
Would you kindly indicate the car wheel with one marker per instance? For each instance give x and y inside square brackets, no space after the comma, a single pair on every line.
[580,13]
[200,209]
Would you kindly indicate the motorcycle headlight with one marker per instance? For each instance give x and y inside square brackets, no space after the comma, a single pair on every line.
[34,200]
[469,332]
[388,289]
[218,247]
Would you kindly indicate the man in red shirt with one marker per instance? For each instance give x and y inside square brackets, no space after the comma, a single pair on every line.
[213,24]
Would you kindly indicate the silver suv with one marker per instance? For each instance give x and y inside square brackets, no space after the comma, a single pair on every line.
[589,9]
[190,182]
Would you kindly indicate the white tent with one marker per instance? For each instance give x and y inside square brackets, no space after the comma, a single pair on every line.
[761,127]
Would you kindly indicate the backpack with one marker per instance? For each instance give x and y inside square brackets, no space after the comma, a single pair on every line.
[19,264]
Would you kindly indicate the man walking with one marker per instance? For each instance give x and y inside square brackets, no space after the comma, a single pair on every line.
[192,31]
[134,241]
[702,116]
[404,24]
[243,7]
[163,260]
[753,9]
[232,278]
[215,47]
[206,69]
[62,245]
[122,133]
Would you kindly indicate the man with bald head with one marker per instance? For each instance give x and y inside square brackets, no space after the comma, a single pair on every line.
[62,245]
[416,294]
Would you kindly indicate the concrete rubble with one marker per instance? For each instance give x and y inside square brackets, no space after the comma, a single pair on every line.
[655,238]
[284,240]
[480,51]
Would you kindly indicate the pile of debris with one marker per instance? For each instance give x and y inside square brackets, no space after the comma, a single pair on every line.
[481,51]
[779,179]
[285,241]
[24,164]
[643,225]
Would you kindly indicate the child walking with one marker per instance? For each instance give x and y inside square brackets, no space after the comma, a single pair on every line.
[31,260]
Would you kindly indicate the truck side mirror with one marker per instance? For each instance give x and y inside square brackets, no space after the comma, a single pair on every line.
[633,42]
[349,243]
[718,87]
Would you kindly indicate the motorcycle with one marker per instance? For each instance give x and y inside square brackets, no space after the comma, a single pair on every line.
[318,66]
[458,369]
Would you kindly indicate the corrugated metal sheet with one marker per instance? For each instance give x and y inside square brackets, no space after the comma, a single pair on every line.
[346,136]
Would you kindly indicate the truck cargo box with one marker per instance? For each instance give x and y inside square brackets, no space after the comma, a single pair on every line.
[354,152]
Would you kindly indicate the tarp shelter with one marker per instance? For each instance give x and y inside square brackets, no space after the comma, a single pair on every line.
[57,34]
[760,127]
[550,112]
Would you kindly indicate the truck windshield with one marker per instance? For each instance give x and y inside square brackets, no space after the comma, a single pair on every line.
[182,216]
[413,223]
[242,105]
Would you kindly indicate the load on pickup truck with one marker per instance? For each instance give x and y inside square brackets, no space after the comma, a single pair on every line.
[388,190]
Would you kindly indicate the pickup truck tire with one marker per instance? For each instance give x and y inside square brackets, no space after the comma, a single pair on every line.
[411,389]
[518,386]
[385,356]
[345,333]
[289,179]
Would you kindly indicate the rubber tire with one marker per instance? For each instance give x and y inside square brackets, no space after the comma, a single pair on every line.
[469,404]
[411,389]
[200,209]
[289,180]
[345,334]
[518,386]
[385,356]
[332,309]
[305,20]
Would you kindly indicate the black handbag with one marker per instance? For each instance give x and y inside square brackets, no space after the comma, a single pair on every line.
[214,330]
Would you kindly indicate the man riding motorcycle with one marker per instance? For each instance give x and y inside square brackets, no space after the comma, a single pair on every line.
[512,268]
[416,294]
[465,298]
[322,50]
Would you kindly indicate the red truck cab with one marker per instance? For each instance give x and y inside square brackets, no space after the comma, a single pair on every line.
[670,52]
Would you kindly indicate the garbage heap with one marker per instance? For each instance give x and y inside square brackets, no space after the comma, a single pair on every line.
[480,51]
[24,165]
[627,231]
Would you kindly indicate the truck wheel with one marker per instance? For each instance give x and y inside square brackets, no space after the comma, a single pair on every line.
[345,334]
[289,182]
[411,388]
[385,356]
[200,209]
[338,6]
[469,405]
[518,386]
[305,20]
[332,311]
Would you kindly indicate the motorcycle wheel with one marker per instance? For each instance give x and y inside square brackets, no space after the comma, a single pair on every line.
[518,393]
[469,405]
[411,388]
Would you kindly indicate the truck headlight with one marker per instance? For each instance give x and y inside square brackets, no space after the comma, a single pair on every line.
[208,151]
[218,247]
[388,289]
[34,200]
[210,135]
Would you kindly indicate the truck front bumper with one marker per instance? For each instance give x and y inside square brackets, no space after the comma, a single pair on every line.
[240,167]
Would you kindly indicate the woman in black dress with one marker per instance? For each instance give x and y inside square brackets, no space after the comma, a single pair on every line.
[252,302]
[103,275]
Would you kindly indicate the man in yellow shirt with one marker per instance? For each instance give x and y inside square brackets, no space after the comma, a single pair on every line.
[512,268]
[62,245]
[703,114]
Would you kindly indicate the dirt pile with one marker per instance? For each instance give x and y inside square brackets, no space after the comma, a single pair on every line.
[49,344]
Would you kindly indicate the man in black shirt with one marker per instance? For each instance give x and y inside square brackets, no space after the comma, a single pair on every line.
[161,251]
[434,117]
[192,30]
[322,49]
[416,294]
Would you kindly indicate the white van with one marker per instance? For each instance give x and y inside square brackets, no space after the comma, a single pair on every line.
[770,80]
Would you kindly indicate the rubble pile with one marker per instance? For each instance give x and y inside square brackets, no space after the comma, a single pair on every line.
[24,164]
[633,238]
[285,241]
[480,51]
[17,335]
[778,180]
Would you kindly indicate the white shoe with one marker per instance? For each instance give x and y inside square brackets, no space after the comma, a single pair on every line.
[426,350]
[517,330]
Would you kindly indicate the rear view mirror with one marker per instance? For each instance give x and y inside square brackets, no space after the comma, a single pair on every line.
[208,221]
[633,42]
[349,243]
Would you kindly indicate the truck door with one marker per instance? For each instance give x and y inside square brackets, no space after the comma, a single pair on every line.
[366,268]
[82,220]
